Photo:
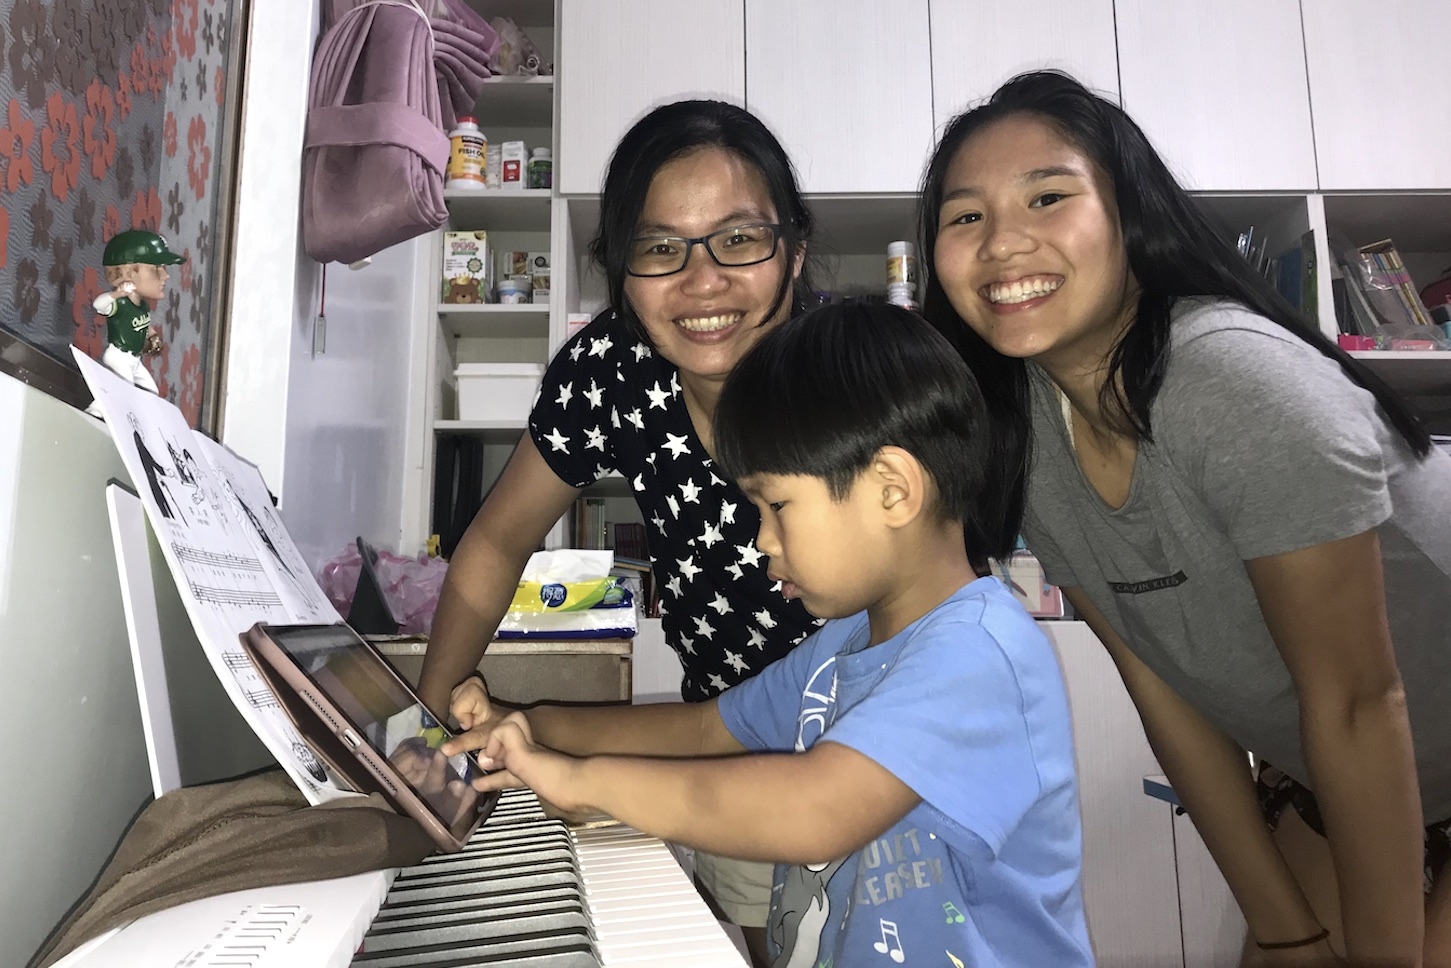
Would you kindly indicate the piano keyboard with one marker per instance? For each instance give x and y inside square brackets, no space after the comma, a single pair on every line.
[529,892]
[525,892]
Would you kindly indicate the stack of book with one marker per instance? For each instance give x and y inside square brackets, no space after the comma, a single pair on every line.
[1376,301]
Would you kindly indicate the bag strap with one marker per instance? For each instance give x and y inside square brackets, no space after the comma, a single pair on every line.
[377,123]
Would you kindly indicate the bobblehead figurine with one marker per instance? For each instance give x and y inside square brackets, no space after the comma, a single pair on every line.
[135,264]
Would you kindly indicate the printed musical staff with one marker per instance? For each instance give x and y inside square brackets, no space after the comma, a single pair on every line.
[231,596]
[261,698]
[216,559]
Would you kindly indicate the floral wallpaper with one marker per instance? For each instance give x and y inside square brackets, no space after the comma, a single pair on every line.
[111,117]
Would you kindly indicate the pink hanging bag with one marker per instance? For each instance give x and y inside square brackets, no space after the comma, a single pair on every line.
[375,150]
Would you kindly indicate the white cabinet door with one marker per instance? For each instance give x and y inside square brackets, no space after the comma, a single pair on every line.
[977,45]
[619,58]
[1380,93]
[846,85]
[1129,885]
[1220,90]
[1213,926]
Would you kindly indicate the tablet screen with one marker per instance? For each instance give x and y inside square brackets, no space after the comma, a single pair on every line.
[385,715]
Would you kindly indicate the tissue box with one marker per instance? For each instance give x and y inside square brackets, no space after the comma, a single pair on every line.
[497,391]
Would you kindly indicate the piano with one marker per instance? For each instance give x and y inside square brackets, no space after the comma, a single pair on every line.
[525,892]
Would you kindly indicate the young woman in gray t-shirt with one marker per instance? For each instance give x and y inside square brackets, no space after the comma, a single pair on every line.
[1255,527]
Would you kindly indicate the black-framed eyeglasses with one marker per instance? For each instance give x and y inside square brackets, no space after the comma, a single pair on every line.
[739,245]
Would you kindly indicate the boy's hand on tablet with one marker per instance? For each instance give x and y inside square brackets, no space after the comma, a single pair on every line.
[470,707]
[519,761]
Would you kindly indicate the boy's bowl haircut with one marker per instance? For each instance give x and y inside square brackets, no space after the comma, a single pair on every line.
[821,394]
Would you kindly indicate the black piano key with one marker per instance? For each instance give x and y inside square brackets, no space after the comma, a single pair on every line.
[526,878]
[411,933]
[572,949]
[471,899]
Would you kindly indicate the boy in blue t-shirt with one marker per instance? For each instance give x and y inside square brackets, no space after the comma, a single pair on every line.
[909,767]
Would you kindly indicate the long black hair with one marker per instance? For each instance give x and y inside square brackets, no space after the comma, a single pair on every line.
[1173,252]
[669,132]
[822,393]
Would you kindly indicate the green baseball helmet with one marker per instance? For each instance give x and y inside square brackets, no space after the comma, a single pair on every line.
[139,245]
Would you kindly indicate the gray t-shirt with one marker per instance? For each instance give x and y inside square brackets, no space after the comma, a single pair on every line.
[1261,447]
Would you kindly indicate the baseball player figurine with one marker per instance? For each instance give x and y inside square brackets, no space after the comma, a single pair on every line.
[135,264]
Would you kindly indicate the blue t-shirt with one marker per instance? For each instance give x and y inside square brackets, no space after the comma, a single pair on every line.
[967,707]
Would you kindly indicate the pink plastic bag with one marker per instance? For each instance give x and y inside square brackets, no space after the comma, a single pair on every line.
[410,585]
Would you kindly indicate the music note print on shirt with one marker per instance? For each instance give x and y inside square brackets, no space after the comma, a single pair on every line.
[889,930]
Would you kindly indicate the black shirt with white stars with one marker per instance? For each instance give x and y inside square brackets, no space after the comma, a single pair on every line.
[610,403]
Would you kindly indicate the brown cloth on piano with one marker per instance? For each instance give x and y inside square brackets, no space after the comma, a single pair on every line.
[251,832]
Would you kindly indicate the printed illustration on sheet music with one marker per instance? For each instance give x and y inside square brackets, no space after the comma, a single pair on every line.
[233,561]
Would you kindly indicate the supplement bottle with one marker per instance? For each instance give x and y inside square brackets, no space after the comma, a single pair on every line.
[901,263]
[541,168]
[467,150]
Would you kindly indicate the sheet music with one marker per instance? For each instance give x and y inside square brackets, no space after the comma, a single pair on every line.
[232,559]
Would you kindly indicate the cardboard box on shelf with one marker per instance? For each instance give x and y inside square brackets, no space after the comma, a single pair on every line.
[512,158]
[468,268]
[514,264]
[538,267]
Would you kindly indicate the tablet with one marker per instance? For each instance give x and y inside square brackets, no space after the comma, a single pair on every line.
[360,716]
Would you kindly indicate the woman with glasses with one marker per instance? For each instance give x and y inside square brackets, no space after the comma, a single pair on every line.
[702,241]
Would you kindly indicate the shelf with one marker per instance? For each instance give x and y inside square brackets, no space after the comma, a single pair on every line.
[515,102]
[1417,222]
[1412,372]
[485,428]
[499,209]
[496,320]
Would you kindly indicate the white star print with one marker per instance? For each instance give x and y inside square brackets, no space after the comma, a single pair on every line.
[688,644]
[727,512]
[598,347]
[657,396]
[595,395]
[736,572]
[704,628]
[574,352]
[716,682]
[601,471]
[641,351]
[676,444]
[650,459]
[749,554]
[776,587]
[565,392]
[674,585]
[675,384]
[558,440]
[712,535]
[636,418]
[688,568]
[615,418]
[757,639]
[690,491]
[619,374]
[673,504]
[720,604]
[716,480]
[734,661]
[595,439]
[639,482]
[765,619]
[659,522]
